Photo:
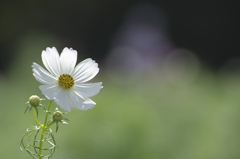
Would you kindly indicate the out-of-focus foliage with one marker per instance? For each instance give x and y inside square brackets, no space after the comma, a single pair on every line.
[149,118]
[169,110]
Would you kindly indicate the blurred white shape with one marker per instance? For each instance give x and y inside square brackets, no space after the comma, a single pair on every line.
[180,66]
[125,60]
[140,43]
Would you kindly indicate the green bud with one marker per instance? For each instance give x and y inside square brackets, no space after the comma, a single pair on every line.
[57,116]
[34,101]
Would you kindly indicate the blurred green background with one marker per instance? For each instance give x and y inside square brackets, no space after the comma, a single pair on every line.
[177,108]
[151,117]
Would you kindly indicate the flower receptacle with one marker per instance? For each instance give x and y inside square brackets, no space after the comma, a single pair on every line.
[34,101]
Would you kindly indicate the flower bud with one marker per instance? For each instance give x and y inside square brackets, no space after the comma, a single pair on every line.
[57,116]
[34,101]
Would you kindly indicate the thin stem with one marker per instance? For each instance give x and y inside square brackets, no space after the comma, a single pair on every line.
[44,127]
[35,118]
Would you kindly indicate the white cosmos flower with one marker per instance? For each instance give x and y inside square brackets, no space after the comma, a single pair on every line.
[63,82]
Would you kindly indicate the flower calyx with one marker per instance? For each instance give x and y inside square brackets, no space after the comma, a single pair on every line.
[57,116]
[34,102]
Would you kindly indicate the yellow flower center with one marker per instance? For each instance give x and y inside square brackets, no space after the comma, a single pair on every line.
[65,81]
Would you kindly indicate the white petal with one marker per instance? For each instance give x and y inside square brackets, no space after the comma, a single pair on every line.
[80,102]
[85,71]
[62,99]
[42,75]
[88,89]
[88,104]
[50,91]
[68,60]
[51,61]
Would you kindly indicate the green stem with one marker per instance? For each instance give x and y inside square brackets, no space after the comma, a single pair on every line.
[44,127]
[35,118]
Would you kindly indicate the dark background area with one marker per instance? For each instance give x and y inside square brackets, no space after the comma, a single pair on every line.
[208,28]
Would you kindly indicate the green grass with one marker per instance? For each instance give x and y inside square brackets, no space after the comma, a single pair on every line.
[147,119]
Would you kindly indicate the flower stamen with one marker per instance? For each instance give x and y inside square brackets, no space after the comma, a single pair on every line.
[65,81]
